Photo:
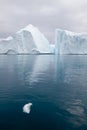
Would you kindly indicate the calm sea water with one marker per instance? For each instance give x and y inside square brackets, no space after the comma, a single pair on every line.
[55,85]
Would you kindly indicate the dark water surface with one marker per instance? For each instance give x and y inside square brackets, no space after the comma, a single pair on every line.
[55,85]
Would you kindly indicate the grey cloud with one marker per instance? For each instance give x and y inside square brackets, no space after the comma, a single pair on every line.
[47,15]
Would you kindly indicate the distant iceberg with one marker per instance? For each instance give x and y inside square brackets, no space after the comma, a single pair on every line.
[28,40]
[67,42]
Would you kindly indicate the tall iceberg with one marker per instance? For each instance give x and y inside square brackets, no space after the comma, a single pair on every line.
[28,40]
[67,42]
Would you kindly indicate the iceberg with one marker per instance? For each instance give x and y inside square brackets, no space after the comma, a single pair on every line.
[67,42]
[28,40]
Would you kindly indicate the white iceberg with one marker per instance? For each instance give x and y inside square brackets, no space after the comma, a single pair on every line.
[27,108]
[28,40]
[67,42]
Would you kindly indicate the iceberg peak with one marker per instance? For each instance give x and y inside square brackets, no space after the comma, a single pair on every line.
[28,28]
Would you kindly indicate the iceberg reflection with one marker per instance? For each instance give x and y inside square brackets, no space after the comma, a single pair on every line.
[33,68]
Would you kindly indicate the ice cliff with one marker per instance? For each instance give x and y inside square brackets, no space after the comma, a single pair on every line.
[67,42]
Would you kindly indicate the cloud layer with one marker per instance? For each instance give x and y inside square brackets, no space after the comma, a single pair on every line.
[45,14]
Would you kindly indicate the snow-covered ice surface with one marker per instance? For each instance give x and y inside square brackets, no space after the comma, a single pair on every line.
[28,40]
[67,42]
[27,108]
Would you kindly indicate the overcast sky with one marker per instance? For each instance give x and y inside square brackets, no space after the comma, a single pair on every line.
[47,15]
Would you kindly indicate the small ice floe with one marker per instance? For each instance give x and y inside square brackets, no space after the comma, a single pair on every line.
[27,108]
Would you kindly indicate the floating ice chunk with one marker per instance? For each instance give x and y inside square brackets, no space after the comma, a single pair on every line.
[27,108]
